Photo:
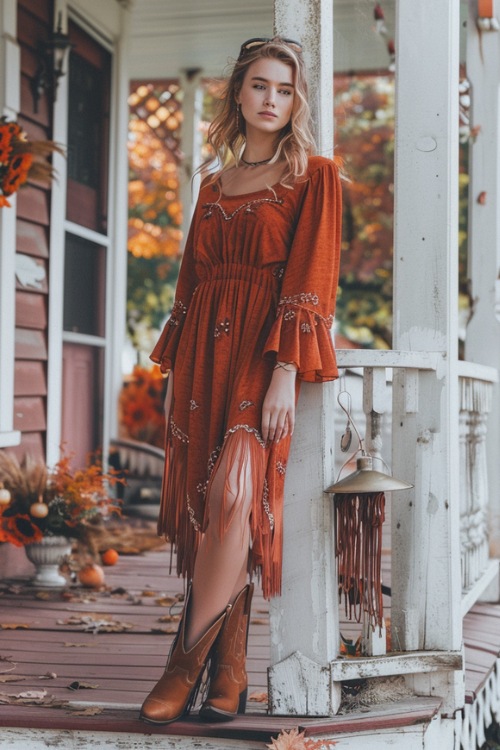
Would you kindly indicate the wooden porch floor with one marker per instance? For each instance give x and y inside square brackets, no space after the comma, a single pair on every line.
[51,641]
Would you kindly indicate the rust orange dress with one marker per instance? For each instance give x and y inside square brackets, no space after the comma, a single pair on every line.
[257,284]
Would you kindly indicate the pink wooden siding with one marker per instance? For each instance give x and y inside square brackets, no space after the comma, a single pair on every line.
[34,25]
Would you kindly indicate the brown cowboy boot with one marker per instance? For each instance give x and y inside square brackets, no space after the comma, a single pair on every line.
[175,692]
[227,693]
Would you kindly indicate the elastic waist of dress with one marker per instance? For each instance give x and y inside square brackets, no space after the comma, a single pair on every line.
[263,277]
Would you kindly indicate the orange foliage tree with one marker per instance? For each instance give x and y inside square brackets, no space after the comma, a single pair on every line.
[155,211]
[364,119]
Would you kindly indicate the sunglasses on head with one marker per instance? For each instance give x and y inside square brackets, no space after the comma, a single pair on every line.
[259,41]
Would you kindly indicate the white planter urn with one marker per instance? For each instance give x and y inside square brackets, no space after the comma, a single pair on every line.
[47,556]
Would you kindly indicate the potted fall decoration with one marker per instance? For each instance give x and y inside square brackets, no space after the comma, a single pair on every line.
[21,159]
[44,509]
[142,411]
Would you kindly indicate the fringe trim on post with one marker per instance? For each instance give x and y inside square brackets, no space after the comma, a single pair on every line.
[359,552]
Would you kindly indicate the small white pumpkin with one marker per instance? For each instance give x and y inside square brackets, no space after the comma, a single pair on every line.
[39,510]
[5,496]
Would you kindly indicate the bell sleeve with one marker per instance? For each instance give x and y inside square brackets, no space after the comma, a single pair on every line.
[166,348]
[301,332]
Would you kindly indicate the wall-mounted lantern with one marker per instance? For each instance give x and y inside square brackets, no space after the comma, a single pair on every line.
[51,59]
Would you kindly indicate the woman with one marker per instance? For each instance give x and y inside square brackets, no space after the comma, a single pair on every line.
[254,305]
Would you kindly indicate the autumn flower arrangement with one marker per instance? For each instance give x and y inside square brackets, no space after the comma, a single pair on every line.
[36,501]
[141,406]
[21,158]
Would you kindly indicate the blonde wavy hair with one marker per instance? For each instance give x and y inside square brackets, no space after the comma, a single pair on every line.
[226,134]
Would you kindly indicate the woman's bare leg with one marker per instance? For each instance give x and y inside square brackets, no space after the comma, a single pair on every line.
[221,565]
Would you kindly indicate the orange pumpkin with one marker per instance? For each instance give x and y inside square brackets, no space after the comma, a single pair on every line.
[91,576]
[110,557]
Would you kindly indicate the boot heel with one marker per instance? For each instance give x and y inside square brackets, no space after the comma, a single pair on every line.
[175,693]
[243,701]
[228,681]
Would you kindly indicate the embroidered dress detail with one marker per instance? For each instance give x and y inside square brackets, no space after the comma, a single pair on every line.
[213,459]
[265,503]
[201,487]
[248,207]
[221,328]
[280,467]
[305,328]
[246,427]
[300,299]
[192,516]
[179,308]
[193,405]
[245,405]
[177,432]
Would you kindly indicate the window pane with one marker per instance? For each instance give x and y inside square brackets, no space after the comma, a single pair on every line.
[84,286]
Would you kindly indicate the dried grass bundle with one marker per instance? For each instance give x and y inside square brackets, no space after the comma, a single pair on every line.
[40,169]
[26,480]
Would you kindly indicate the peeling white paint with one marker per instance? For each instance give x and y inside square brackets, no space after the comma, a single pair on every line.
[29,272]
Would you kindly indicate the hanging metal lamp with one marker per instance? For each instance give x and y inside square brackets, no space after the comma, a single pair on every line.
[366,480]
[359,502]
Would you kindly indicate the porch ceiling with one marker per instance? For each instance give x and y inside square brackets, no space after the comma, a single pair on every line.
[171,35]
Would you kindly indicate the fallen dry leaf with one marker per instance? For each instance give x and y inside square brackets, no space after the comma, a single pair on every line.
[292,740]
[14,626]
[13,589]
[90,711]
[78,645]
[119,591]
[166,601]
[77,597]
[12,666]
[295,740]
[164,631]
[149,593]
[76,685]
[48,701]
[169,618]
[259,621]
[258,697]
[44,595]
[12,678]
[32,694]
[97,623]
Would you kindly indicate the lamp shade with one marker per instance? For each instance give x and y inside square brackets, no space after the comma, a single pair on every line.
[365,480]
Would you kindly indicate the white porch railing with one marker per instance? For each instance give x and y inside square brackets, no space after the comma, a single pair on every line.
[410,372]
[476,384]
[475,394]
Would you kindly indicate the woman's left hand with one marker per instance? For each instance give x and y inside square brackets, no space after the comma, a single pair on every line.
[278,409]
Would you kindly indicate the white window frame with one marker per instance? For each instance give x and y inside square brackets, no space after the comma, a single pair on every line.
[9,106]
[108,24]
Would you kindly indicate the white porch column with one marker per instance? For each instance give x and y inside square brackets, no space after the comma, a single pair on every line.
[192,110]
[426,586]
[117,279]
[483,333]
[9,106]
[304,620]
